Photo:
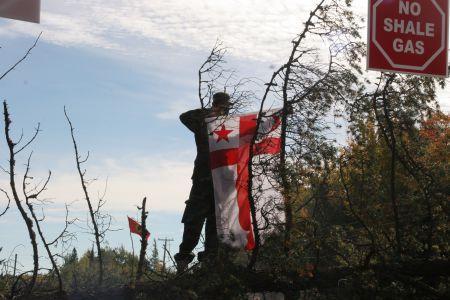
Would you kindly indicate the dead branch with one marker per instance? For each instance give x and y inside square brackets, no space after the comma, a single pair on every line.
[213,77]
[23,58]
[36,132]
[8,204]
[64,235]
[97,233]
[144,242]
[212,66]
[37,221]
[18,201]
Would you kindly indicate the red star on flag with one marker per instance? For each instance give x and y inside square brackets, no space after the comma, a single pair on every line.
[222,134]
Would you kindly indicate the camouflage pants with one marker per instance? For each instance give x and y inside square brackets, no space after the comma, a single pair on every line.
[199,207]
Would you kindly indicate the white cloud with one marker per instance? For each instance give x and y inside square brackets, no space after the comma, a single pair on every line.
[62,30]
[258,29]
[174,109]
[164,180]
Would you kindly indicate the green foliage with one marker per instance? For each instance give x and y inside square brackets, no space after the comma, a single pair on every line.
[154,262]
[78,274]
[344,225]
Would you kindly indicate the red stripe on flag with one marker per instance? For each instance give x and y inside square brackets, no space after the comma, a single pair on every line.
[223,157]
[267,146]
[247,128]
[247,125]
[242,195]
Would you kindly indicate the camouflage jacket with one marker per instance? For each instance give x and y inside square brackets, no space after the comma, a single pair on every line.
[194,120]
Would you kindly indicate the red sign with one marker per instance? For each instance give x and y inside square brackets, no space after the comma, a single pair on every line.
[24,10]
[408,36]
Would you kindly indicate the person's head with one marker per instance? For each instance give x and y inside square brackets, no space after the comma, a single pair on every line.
[221,103]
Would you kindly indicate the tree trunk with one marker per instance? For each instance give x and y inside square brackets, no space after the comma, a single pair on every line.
[143,241]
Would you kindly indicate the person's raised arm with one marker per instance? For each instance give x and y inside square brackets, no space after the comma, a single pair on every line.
[193,119]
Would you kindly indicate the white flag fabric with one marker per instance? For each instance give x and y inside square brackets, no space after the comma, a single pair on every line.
[229,146]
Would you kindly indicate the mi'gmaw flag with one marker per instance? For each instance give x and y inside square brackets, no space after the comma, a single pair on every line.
[24,10]
[136,228]
[229,145]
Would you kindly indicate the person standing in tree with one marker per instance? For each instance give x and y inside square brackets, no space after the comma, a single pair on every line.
[200,205]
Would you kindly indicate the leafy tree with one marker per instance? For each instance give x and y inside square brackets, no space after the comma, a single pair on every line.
[154,262]
[71,258]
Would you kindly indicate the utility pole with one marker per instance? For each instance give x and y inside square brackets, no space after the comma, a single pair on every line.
[165,249]
[15,265]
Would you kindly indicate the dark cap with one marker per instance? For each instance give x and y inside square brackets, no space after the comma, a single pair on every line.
[221,98]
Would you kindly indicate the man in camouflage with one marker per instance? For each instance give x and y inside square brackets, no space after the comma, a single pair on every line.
[200,205]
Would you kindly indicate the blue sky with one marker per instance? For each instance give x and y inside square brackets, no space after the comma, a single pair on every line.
[124,87]
[125,70]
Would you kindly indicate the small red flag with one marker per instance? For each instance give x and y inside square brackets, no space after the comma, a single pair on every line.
[136,228]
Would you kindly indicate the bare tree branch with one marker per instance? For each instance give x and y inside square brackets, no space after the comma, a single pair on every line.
[22,59]
[7,205]
[25,217]
[97,234]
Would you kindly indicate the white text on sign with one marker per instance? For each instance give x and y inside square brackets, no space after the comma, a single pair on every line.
[415,28]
